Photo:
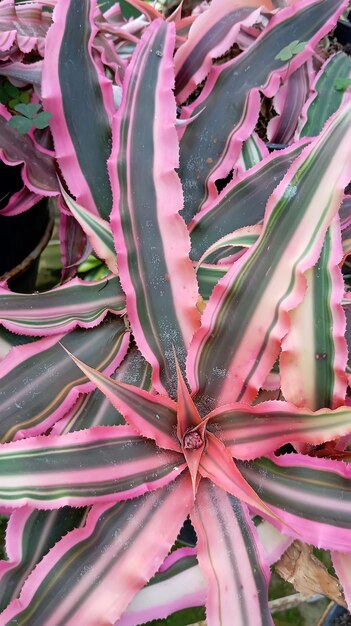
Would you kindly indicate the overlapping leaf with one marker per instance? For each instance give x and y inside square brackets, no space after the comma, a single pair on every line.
[231,355]
[151,239]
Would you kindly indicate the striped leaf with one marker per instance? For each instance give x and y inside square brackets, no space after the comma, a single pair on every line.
[152,416]
[242,202]
[288,104]
[49,526]
[76,303]
[102,464]
[252,152]
[213,140]
[150,236]
[24,26]
[210,36]
[325,98]
[73,244]
[20,201]
[29,536]
[125,542]
[250,432]
[245,318]
[95,409]
[179,584]
[38,172]
[79,96]
[232,245]
[312,495]
[208,277]
[231,560]
[39,381]
[96,229]
[314,352]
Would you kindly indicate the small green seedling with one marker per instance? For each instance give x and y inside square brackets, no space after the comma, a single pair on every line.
[11,95]
[290,51]
[30,116]
[342,83]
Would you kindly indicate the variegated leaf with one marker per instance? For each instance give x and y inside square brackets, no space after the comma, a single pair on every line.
[79,96]
[125,542]
[39,381]
[231,560]
[312,495]
[245,319]
[76,303]
[101,464]
[212,142]
[150,235]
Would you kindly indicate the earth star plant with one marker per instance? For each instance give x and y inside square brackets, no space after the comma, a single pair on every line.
[141,398]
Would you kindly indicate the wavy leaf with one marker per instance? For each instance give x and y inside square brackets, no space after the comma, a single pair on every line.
[232,354]
[39,381]
[212,142]
[231,559]
[76,303]
[288,104]
[210,36]
[243,201]
[311,495]
[314,351]
[29,536]
[38,172]
[102,464]
[250,432]
[125,542]
[325,99]
[96,229]
[77,93]
[150,235]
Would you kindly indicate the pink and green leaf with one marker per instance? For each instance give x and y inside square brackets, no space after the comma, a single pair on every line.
[232,245]
[311,495]
[125,542]
[208,277]
[150,235]
[154,417]
[231,560]
[252,152]
[245,319]
[77,93]
[314,351]
[24,25]
[210,36]
[97,230]
[212,142]
[326,97]
[101,464]
[250,432]
[40,382]
[288,104]
[242,202]
[29,536]
[76,303]
[179,584]
[95,409]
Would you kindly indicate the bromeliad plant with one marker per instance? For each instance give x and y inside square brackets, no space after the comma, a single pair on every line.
[217,291]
